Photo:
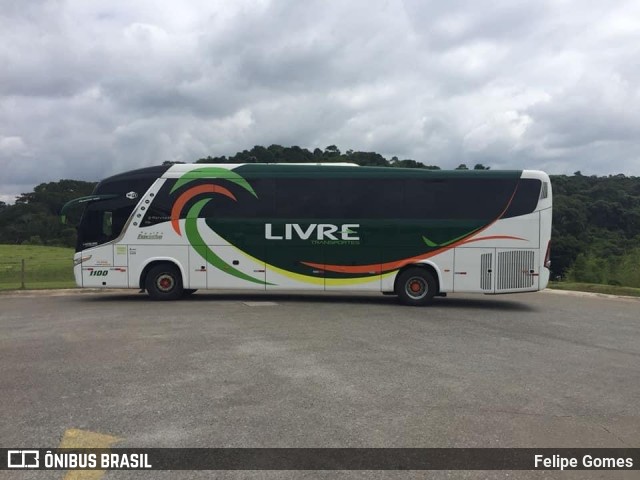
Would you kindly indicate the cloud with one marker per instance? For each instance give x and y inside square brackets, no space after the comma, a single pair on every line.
[88,90]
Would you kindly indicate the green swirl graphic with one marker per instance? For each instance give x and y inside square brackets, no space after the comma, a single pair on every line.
[196,241]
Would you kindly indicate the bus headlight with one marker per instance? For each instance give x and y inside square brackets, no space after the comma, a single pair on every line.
[78,261]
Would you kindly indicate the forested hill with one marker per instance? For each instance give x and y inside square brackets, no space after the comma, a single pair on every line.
[34,218]
[279,154]
[596,228]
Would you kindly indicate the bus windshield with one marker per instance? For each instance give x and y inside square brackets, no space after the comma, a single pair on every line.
[102,222]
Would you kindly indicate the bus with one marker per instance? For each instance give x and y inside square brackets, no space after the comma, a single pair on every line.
[175,229]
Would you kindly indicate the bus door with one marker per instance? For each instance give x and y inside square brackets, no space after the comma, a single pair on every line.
[235,255]
[229,267]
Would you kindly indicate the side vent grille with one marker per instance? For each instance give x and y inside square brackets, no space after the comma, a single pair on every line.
[515,270]
[544,191]
[485,271]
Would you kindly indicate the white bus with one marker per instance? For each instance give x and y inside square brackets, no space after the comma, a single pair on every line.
[172,230]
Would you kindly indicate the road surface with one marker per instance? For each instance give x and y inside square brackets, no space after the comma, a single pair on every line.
[329,370]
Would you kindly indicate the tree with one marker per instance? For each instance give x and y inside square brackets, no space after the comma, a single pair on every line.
[369,159]
[407,164]
[35,214]
[462,166]
[262,155]
[331,151]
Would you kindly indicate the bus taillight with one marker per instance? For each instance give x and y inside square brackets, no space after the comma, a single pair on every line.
[547,256]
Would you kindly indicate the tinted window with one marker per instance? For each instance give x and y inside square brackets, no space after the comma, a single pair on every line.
[337,198]
[526,198]
[160,208]
[376,198]
[457,198]
[101,223]
[302,198]
[367,198]
[246,205]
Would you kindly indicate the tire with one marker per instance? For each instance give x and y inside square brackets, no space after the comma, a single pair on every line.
[164,282]
[416,287]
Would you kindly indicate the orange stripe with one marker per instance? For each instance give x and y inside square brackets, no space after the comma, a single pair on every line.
[188,195]
[384,267]
[494,237]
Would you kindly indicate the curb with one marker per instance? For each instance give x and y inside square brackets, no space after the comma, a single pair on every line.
[577,293]
[58,292]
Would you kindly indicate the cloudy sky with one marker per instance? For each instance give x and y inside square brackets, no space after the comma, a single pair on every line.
[92,88]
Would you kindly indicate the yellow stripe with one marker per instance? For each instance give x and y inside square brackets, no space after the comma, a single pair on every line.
[74,438]
[354,281]
[332,282]
[297,276]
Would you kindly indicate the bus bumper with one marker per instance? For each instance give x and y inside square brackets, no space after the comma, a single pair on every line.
[77,269]
[543,278]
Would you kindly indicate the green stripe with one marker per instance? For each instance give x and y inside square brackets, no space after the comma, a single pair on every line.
[196,241]
[213,172]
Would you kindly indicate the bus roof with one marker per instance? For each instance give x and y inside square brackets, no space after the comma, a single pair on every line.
[256,170]
[328,170]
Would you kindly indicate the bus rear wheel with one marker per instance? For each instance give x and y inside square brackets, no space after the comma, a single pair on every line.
[164,282]
[416,287]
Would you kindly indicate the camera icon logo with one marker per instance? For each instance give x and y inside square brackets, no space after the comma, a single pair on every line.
[23,459]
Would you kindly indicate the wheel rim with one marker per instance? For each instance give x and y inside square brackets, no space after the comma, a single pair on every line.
[416,288]
[165,282]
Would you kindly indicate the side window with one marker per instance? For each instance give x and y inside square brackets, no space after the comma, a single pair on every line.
[302,198]
[367,198]
[345,198]
[245,205]
[114,221]
[424,198]
[107,224]
[160,209]
[457,198]
[376,198]
[119,218]
[526,198]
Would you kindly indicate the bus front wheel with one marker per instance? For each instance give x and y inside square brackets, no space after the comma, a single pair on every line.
[416,287]
[164,282]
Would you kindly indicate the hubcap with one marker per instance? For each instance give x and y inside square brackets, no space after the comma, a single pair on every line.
[416,288]
[165,282]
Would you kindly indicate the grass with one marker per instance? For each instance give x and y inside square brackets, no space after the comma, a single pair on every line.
[596,288]
[45,267]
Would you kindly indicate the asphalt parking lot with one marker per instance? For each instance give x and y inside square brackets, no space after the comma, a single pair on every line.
[253,370]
